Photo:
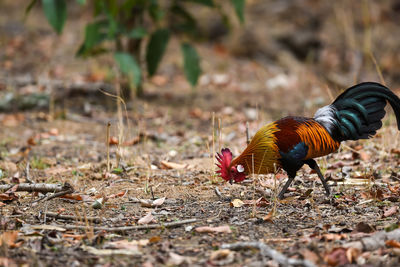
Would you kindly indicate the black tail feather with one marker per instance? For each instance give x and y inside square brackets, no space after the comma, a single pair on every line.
[357,112]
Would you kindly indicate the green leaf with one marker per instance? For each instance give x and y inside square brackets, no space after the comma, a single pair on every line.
[209,3]
[239,8]
[81,2]
[155,49]
[56,13]
[94,35]
[129,67]
[155,11]
[118,170]
[191,63]
[137,33]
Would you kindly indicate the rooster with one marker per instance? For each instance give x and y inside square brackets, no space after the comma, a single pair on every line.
[291,142]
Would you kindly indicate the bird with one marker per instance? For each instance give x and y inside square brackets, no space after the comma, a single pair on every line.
[291,142]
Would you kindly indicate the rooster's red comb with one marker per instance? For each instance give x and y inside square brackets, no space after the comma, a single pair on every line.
[224,160]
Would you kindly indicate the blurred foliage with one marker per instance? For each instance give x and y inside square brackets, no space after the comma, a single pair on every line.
[127,23]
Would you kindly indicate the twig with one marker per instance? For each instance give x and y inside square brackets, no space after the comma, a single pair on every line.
[218,193]
[58,194]
[267,251]
[374,241]
[129,228]
[38,187]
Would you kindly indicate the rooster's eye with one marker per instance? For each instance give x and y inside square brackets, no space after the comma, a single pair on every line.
[240,168]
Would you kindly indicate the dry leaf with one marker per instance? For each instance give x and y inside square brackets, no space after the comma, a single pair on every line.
[159,202]
[7,262]
[113,140]
[390,211]
[75,237]
[146,219]
[310,255]
[395,151]
[392,243]
[363,227]
[237,203]
[125,244]
[220,254]
[9,238]
[53,131]
[159,80]
[120,194]
[269,216]
[176,259]
[364,156]
[172,165]
[31,141]
[73,197]
[261,202]
[336,257]
[352,254]
[218,229]
[222,257]
[155,239]
[4,196]
[333,237]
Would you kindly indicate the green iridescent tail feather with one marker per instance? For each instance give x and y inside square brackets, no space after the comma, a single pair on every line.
[360,109]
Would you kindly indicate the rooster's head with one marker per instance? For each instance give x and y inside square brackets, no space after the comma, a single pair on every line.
[226,171]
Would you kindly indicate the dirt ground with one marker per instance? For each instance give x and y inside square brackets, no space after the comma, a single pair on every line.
[290,58]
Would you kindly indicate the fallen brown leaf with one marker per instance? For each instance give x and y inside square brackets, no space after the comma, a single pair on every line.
[148,218]
[7,262]
[310,255]
[173,165]
[125,244]
[176,259]
[363,227]
[9,238]
[222,257]
[390,211]
[333,237]
[120,194]
[73,236]
[113,140]
[159,202]
[336,257]
[392,243]
[237,203]
[269,216]
[72,197]
[352,254]
[155,239]
[261,202]
[395,151]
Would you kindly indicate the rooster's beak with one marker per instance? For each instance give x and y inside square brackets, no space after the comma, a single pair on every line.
[231,181]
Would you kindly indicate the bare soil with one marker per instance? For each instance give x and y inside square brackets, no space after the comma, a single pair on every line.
[166,145]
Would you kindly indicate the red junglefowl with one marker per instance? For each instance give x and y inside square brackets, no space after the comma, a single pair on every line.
[291,142]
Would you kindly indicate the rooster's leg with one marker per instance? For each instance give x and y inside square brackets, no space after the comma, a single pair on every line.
[286,186]
[313,165]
